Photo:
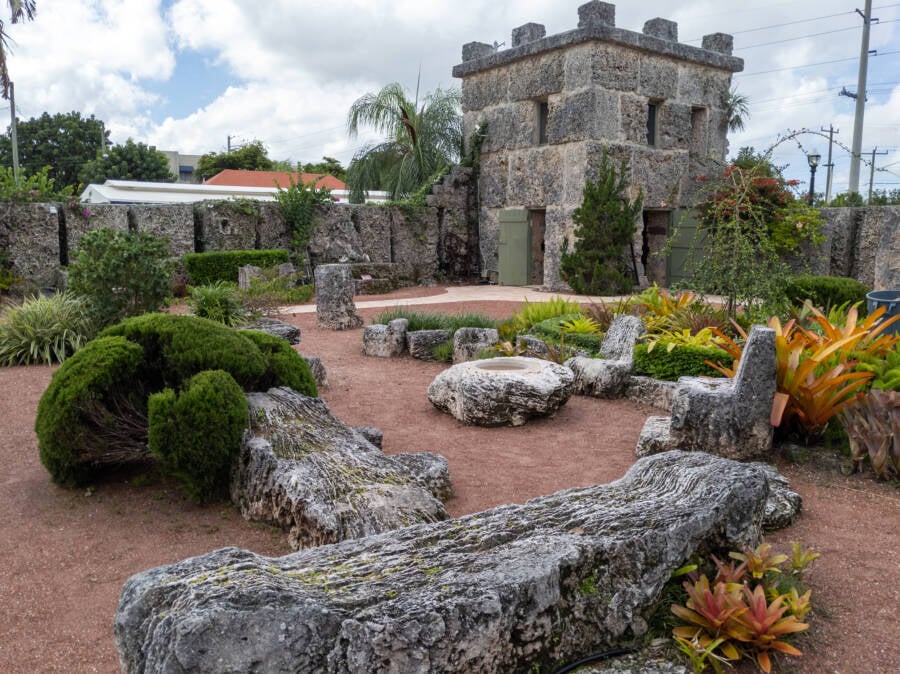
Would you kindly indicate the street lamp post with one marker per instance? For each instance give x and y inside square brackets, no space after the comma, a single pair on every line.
[813,160]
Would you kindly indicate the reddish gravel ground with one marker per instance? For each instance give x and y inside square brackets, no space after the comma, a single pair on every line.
[67,553]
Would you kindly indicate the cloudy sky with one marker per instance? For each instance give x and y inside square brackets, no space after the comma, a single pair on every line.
[186,74]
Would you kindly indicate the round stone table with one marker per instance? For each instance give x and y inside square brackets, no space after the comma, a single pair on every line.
[500,391]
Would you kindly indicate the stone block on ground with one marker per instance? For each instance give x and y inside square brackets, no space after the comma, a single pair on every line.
[650,391]
[335,309]
[499,391]
[304,470]
[421,343]
[317,367]
[514,588]
[371,434]
[606,376]
[248,273]
[385,341]
[468,342]
[274,326]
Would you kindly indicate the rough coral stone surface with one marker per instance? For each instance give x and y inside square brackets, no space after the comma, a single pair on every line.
[335,309]
[505,590]
[304,470]
[501,391]
[274,326]
[317,368]
[468,342]
[607,376]
[385,340]
[421,343]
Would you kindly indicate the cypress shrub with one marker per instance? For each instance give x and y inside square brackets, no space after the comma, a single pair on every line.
[206,268]
[196,433]
[85,398]
[826,292]
[284,366]
[681,361]
[178,347]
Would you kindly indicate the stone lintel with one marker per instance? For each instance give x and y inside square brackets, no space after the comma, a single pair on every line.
[596,13]
[722,43]
[662,28]
[528,32]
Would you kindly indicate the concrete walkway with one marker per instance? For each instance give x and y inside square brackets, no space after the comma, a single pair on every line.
[477,293]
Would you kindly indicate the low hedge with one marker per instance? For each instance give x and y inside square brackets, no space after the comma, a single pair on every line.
[827,291]
[681,361]
[206,268]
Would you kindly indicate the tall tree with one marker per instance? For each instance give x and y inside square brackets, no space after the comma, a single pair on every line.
[250,157]
[131,161]
[65,142]
[328,165]
[420,140]
[18,10]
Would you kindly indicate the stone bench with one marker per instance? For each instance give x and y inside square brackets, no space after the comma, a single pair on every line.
[606,377]
[509,589]
[728,417]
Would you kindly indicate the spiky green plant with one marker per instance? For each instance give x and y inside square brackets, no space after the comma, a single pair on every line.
[44,329]
[220,301]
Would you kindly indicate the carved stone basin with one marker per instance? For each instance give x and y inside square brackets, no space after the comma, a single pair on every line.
[500,391]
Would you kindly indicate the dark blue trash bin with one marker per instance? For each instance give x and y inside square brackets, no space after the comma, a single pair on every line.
[890,299]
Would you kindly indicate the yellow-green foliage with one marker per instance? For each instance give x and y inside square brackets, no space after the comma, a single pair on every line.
[535,312]
[680,361]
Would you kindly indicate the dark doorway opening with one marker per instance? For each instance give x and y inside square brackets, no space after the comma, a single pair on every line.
[537,225]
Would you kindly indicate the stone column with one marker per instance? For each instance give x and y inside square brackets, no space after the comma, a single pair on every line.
[334,298]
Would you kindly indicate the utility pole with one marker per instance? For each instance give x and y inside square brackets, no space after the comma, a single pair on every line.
[860,99]
[12,132]
[830,164]
[229,145]
[872,171]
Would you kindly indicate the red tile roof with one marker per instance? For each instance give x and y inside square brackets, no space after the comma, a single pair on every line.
[240,178]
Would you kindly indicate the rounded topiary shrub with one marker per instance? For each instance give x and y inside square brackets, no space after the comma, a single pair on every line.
[87,416]
[178,347]
[284,366]
[196,433]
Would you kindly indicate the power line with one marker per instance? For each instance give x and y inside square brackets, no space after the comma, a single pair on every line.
[776,25]
[810,65]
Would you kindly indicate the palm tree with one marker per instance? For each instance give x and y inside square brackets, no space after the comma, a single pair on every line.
[737,108]
[18,10]
[419,143]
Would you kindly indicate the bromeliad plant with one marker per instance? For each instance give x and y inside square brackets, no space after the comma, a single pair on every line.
[748,610]
[872,422]
[815,373]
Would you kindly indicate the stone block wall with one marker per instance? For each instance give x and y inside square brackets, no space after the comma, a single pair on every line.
[437,241]
[862,243]
[596,82]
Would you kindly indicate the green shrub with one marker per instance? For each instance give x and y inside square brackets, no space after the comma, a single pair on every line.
[206,268]
[220,301]
[681,361]
[434,320]
[284,366]
[535,312]
[552,329]
[86,397]
[121,274]
[178,347]
[298,204]
[44,329]
[196,433]
[827,291]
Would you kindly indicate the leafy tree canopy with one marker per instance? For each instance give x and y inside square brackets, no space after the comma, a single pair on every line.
[420,140]
[328,165]
[131,161]
[64,142]
[759,163]
[250,157]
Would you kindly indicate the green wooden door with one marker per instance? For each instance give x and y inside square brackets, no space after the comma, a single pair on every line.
[684,226]
[515,248]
